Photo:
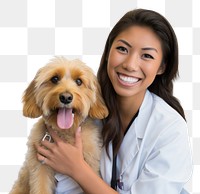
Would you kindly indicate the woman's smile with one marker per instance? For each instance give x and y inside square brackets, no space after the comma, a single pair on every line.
[127,80]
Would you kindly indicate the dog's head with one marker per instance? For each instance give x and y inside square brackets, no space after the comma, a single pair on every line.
[64,93]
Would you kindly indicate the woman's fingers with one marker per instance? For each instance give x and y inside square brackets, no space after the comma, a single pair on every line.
[43,159]
[44,155]
[44,151]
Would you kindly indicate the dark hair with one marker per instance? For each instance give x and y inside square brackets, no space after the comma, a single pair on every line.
[161,86]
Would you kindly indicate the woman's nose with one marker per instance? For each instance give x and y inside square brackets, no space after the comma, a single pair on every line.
[131,63]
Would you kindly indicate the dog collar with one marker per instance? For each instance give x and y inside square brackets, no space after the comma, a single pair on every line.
[47,137]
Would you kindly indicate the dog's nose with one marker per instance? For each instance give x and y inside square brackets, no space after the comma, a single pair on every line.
[66,98]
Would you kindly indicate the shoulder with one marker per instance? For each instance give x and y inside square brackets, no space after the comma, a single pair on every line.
[164,113]
[157,117]
[168,123]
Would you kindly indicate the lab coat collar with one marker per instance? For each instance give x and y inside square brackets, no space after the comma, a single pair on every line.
[144,115]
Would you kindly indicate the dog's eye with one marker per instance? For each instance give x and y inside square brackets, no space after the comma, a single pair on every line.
[78,81]
[55,79]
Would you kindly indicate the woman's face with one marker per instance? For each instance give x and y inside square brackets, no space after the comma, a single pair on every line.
[134,61]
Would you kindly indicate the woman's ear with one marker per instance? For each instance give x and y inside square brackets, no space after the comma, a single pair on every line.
[161,69]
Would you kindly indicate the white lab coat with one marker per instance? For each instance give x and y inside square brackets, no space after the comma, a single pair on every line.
[154,158]
[155,155]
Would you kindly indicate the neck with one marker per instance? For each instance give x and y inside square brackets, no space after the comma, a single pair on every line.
[128,107]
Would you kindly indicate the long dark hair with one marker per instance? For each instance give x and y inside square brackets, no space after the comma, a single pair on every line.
[161,86]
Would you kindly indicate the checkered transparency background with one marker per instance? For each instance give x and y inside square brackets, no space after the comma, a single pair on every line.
[33,31]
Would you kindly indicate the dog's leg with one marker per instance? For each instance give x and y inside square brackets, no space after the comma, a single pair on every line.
[21,186]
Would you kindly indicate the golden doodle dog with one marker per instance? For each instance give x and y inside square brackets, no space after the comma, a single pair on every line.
[67,95]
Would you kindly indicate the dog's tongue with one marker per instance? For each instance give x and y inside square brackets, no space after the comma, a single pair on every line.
[65,118]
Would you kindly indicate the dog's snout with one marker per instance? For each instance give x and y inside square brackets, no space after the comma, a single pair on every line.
[66,98]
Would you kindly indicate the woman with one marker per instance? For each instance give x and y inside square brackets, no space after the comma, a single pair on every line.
[146,147]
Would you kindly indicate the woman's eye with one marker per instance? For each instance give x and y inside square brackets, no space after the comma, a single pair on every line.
[122,49]
[148,56]
[78,81]
[55,79]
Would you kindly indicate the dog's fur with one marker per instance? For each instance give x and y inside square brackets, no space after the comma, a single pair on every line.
[42,98]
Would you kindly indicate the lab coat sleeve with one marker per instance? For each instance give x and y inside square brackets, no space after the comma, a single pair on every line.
[168,167]
[67,185]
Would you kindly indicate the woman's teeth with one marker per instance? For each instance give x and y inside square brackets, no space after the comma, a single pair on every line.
[127,79]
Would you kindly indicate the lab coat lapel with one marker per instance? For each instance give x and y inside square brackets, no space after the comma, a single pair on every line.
[130,144]
[128,149]
[106,163]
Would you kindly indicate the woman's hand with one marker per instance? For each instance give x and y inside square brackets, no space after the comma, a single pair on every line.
[68,160]
[61,156]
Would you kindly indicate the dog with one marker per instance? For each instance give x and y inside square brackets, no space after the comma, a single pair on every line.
[67,95]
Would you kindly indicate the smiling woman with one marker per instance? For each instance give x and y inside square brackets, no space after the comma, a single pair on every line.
[134,61]
[138,66]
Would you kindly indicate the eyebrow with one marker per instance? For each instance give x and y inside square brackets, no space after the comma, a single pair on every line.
[149,48]
[144,49]
[126,43]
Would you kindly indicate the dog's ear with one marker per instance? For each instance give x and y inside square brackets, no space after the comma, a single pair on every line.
[30,108]
[98,110]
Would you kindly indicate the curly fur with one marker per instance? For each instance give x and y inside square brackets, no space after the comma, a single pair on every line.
[41,98]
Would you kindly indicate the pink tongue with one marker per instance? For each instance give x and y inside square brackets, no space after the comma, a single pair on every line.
[65,118]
